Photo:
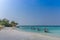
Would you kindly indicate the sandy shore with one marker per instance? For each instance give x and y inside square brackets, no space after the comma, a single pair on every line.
[12,34]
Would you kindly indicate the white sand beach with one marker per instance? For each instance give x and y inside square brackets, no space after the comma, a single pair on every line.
[12,34]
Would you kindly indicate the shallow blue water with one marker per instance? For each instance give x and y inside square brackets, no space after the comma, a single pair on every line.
[53,30]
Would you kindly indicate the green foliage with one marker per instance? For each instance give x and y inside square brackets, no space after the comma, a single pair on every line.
[13,23]
[6,23]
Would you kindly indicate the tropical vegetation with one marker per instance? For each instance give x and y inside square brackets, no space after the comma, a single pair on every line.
[8,23]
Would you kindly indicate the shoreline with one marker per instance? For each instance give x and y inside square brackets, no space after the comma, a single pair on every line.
[46,34]
[13,34]
[42,35]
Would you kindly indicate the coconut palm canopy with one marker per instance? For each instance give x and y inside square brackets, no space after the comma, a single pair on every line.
[7,23]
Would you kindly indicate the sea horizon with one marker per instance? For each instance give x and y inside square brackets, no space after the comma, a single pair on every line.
[42,25]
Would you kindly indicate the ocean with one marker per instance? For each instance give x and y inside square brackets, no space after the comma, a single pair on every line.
[52,30]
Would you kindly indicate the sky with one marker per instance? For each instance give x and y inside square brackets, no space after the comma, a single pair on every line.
[31,12]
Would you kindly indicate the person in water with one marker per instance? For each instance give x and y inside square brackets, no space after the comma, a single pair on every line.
[33,28]
[45,30]
[38,29]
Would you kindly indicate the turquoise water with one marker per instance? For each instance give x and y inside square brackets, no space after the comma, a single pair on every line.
[53,30]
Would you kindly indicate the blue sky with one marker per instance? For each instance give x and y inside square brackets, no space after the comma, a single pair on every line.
[31,12]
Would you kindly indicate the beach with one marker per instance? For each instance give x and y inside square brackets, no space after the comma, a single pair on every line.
[13,34]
